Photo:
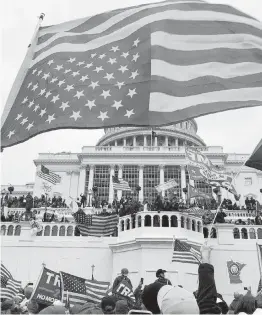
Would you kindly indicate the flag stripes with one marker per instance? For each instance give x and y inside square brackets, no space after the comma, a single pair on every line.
[96,290]
[185,253]
[46,174]
[120,184]
[9,286]
[5,273]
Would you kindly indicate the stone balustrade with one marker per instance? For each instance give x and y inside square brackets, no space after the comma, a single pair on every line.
[238,231]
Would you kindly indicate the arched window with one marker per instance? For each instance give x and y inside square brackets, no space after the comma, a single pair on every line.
[213,233]
[205,232]
[69,231]
[17,230]
[188,225]
[47,231]
[133,219]
[122,224]
[62,231]
[128,224]
[165,221]
[198,226]
[139,221]
[148,220]
[236,233]
[54,230]
[156,221]
[244,234]
[10,230]
[182,222]
[252,233]
[174,221]
[259,233]
[3,229]
[193,225]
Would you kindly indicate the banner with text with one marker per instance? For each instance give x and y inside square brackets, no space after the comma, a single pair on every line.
[47,290]
[125,291]
[168,185]
[194,192]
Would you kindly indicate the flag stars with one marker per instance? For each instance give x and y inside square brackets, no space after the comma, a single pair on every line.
[54,80]
[36,108]
[98,69]
[29,85]
[47,94]
[69,88]
[34,71]
[50,62]
[67,70]
[55,98]
[112,61]
[135,57]
[79,94]
[30,126]
[24,121]
[90,104]
[75,73]
[109,76]
[61,83]
[131,93]
[71,60]
[80,63]
[136,42]
[46,75]
[117,105]
[94,84]
[50,118]
[35,87]
[76,115]
[59,67]
[89,65]
[114,48]
[134,75]
[19,116]
[103,116]
[129,113]
[102,56]
[25,100]
[119,84]
[11,133]
[125,54]
[31,104]
[39,72]
[42,92]
[93,55]
[64,106]
[106,94]
[123,69]
[43,111]
[84,77]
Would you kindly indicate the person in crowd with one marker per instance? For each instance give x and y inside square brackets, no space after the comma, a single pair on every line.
[220,218]
[108,305]
[247,304]
[160,274]
[235,302]
[52,219]
[121,307]
[258,220]
[221,303]
[119,279]
[83,200]
[45,216]
[247,203]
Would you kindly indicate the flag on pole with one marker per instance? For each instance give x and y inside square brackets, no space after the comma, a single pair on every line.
[9,286]
[120,184]
[149,65]
[185,253]
[46,174]
[255,160]
[80,291]
[195,192]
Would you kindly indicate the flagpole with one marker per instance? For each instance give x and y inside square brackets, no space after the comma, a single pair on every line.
[151,136]
[22,71]
[259,261]
[39,277]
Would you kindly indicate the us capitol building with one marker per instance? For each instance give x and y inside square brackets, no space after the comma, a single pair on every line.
[128,153]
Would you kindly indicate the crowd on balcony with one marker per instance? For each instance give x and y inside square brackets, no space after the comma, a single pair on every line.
[158,297]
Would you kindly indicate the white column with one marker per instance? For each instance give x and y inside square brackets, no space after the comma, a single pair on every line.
[120,175]
[176,143]
[145,142]
[82,180]
[141,192]
[111,190]
[115,143]
[166,141]
[162,177]
[91,177]
[124,142]
[183,181]
[155,144]
[134,141]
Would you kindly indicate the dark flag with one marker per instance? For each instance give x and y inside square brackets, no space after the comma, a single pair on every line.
[255,160]
[195,192]
[83,221]
[150,65]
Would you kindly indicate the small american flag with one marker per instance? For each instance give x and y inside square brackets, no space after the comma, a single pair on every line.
[9,287]
[185,253]
[120,184]
[80,290]
[51,177]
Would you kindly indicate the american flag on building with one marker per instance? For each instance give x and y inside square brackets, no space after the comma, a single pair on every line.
[83,221]
[185,253]
[153,64]
[9,286]
[46,174]
[120,184]
[80,291]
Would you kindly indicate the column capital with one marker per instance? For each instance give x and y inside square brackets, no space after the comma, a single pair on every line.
[82,167]
[92,166]
[112,166]
[141,166]
[162,165]
[120,166]
[69,172]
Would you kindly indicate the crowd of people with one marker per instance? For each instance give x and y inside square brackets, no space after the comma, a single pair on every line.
[158,297]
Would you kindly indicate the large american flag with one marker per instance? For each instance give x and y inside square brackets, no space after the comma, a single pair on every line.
[80,291]
[148,65]
[46,174]
[96,225]
[185,253]
[9,286]
[120,184]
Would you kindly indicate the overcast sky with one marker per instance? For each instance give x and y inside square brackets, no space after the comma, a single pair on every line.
[237,131]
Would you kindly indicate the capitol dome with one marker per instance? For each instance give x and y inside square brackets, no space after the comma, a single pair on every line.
[181,134]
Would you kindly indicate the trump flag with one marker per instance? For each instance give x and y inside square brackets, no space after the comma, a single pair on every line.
[255,160]
[150,65]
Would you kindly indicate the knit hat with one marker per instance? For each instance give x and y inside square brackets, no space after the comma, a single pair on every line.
[149,297]
[176,300]
[124,271]
[122,307]
[108,304]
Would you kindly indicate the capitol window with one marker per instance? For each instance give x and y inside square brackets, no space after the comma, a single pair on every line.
[248,181]
[101,180]
[151,178]
[131,175]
